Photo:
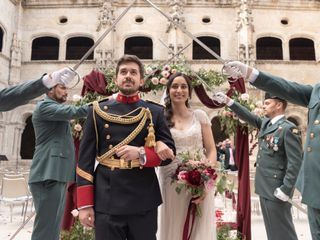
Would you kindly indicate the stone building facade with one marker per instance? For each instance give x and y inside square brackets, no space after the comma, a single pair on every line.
[38,36]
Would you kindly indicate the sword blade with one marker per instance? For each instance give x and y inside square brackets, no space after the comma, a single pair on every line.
[296,205]
[168,61]
[86,55]
[199,78]
[187,32]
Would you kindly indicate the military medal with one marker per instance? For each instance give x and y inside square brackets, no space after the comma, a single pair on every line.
[275,146]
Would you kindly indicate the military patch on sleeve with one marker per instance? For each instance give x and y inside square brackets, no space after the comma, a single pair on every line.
[295,131]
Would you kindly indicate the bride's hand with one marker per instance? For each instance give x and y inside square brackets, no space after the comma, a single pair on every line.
[200,199]
[163,151]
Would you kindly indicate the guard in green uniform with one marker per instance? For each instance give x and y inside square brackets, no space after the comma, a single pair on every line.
[53,164]
[21,94]
[308,96]
[278,163]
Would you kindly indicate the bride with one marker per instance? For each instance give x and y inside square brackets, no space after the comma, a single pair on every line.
[191,131]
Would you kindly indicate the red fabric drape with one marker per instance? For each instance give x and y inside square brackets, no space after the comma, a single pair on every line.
[71,200]
[95,81]
[242,160]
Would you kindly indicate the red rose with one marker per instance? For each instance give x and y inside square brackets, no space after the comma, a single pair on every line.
[194,177]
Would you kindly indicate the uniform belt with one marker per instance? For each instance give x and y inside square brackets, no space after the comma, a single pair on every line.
[120,163]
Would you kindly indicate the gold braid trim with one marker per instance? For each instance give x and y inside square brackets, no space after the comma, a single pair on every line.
[126,141]
[84,175]
[125,119]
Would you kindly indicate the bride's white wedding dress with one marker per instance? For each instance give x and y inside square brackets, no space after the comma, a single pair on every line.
[173,211]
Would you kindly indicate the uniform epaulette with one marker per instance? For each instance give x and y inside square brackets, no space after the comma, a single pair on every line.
[99,100]
[149,101]
[295,131]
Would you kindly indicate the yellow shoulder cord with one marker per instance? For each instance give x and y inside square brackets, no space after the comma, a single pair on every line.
[95,104]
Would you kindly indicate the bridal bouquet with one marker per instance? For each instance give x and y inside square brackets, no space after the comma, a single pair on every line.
[195,175]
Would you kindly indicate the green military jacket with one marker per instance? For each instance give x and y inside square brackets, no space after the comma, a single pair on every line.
[279,156]
[18,95]
[308,96]
[53,158]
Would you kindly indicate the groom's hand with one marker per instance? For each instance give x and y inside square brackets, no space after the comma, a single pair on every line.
[86,217]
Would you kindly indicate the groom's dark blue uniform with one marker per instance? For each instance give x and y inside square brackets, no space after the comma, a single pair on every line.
[125,200]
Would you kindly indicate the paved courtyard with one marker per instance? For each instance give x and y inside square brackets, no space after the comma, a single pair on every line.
[8,228]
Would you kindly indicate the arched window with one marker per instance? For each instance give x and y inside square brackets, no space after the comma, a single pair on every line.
[1,38]
[45,48]
[269,48]
[142,47]
[302,49]
[199,52]
[77,47]
[27,140]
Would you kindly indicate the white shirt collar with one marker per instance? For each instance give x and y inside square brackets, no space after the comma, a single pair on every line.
[276,118]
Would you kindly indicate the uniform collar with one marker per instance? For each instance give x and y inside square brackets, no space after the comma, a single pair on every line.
[276,118]
[127,99]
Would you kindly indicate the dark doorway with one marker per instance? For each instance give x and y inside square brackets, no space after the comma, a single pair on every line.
[27,140]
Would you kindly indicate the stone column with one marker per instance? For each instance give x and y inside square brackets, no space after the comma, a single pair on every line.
[104,53]
[245,30]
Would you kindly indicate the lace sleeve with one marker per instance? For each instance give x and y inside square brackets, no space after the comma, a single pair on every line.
[202,116]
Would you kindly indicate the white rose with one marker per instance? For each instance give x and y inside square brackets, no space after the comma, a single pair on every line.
[76,98]
[163,81]
[244,97]
[155,81]
[78,127]
[165,74]
[75,212]
[149,70]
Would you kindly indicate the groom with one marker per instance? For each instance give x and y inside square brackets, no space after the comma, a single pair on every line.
[121,196]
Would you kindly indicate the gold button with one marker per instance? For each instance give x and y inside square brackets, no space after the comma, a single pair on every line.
[106,125]
[316,122]
[275,176]
[108,137]
[110,146]
[105,107]
[309,149]
[312,135]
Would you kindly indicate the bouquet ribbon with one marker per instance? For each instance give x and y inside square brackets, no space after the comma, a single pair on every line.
[191,215]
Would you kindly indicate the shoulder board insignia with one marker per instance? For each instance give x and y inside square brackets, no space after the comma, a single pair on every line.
[149,101]
[98,100]
[295,131]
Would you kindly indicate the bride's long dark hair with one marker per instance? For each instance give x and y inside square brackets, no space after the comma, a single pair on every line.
[168,112]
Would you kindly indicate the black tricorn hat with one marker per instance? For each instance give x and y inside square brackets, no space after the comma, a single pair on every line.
[270,96]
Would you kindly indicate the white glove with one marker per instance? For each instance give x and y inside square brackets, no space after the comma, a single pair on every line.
[280,195]
[220,97]
[236,69]
[63,76]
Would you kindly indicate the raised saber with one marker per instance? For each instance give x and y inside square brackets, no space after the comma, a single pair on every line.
[22,225]
[201,80]
[86,55]
[297,206]
[187,32]
[168,61]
